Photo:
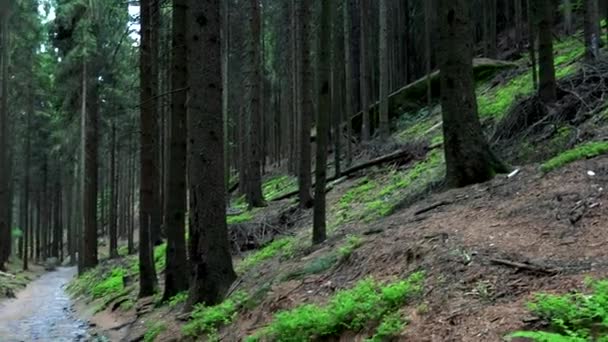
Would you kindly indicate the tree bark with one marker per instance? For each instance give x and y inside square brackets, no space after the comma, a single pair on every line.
[546,68]
[592,29]
[306,108]
[319,232]
[384,70]
[364,81]
[348,80]
[176,273]
[148,133]
[113,184]
[468,156]
[5,228]
[212,271]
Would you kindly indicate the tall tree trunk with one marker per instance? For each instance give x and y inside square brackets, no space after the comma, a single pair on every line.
[255,197]
[148,174]
[364,81]
[592,29]
[212,271]
[384,66]
[547,84]
[176,273]
[113,184]
[348,80]
[156,210]
[468,156]
[5,227]
[428,18]
[89,188]
[518,24]
[337,82]
[319,233]
[306,108]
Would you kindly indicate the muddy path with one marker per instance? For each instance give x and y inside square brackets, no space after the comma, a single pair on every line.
[42,312]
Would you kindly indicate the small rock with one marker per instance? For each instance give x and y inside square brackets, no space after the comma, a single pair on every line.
[590,173]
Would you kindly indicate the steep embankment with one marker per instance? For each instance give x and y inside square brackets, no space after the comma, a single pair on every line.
[406,258]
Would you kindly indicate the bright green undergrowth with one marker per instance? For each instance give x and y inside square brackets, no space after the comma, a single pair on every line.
[588,150]
[391,326]
[277,186]
[573,317]
[495,102]
[368,302]
[154,329]
[373,198]
[178,299]
[243,217]
[284,247]
[206,320]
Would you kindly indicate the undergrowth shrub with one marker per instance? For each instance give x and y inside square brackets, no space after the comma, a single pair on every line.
[573,317]
[353,309]
[206,320]
[352,243]
[392,325]
[588,150]
[154,329]
[178,299]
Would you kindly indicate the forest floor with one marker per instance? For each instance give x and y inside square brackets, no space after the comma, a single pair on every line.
[463,263]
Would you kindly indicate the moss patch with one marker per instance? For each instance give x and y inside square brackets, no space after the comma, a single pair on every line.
[588,150]
[282,247]
[206,320]
[277,186]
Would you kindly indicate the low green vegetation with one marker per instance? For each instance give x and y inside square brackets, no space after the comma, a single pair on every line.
[573,317]
[206,320]
[391,326]
[315,266]
[496,101]
[178,299]
[352,243]
[153,331]
[372,198]
[160,257]
[588,150]
[367,303]
[283,247]
[243,217]
[277,186]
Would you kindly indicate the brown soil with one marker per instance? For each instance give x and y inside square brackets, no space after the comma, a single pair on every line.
[554,225]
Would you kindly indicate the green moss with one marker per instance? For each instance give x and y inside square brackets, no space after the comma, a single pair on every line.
[112,283]
[352,243]
[354,309]
[243,217]
[160,257]
[574,316]
[588,150]
[127,305]
[206,320]
[153,331]
[281,247]
[359,192]
[277,186]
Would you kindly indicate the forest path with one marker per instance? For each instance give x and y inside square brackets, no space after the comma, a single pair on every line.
[42,312]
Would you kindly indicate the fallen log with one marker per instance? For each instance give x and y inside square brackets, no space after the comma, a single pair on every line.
[524,266]
[403,156]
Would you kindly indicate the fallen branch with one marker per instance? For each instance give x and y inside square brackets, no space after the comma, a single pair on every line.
[524,266]
[432,206]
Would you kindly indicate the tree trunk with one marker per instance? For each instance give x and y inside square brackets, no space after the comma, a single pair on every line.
[253,185]
[176,273]
[306,108]
[148,174]
[5,227]
[568,26]
[89,168]
[337,90]
[384,70]
[348,80]
[546,68]
[468,156]
[364,81]
[113,184]
[319,233]
[592,30]
[212,271]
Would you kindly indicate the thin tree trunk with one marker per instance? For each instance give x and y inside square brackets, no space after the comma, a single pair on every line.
[592,29]
[113,229]
[547,83]
[384,70]
[348,80]
[364,82]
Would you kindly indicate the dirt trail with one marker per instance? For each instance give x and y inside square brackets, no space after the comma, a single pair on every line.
[42,312]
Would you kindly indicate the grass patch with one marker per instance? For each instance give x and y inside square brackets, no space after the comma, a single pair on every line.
[588,150]
[573,317]
[391,326]
[206,320]
[368,302]
[160,257]
[153,331]
[316,266]
[178,299]
[280,247]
